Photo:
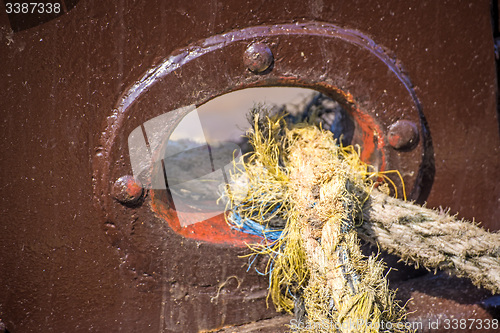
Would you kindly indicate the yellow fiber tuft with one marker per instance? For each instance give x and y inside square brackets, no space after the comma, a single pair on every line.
[299,174]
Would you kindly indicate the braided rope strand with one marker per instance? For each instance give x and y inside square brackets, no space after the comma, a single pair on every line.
[433,239]
[305,193]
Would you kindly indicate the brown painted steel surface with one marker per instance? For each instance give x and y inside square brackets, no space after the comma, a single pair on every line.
[73,259]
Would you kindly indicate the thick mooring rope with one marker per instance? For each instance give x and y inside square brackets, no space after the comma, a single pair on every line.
[306,195]
[433,239]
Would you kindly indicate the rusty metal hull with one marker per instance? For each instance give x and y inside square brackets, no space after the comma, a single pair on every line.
[74,259]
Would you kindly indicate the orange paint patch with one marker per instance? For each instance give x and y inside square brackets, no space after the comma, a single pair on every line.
[213,230]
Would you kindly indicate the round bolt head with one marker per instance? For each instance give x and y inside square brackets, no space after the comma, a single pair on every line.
[258,57]
[127,190]
[403,134]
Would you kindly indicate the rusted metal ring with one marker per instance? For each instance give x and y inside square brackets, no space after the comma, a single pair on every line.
[351,68]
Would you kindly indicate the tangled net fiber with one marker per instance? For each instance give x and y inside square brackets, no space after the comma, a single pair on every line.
[309,197]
